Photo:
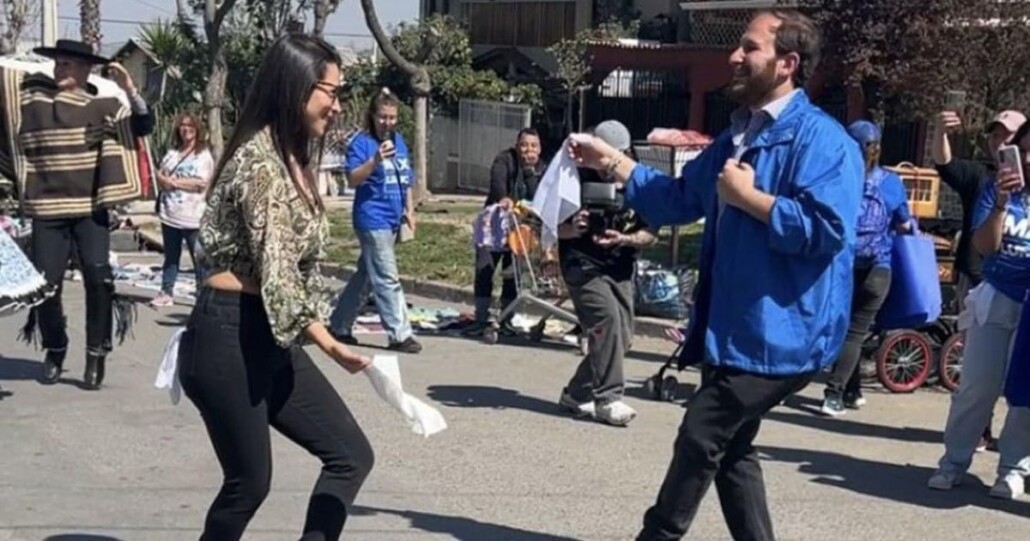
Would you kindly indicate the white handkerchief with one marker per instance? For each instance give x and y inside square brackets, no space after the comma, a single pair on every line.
[557,197]
[385,375]
[168,372]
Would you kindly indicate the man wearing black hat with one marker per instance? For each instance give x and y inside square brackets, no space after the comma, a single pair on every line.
[73,155]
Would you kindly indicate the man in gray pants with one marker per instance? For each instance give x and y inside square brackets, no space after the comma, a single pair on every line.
[598,262]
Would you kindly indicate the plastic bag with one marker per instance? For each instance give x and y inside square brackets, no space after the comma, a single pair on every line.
[664,293]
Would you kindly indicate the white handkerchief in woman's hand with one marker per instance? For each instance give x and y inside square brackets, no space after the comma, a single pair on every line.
[385,375]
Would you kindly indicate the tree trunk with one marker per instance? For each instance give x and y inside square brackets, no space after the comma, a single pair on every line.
[89,23]
[421,191]
[19,16]
[214,93]
[322,9]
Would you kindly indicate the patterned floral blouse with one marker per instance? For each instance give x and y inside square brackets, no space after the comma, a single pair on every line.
[257,225]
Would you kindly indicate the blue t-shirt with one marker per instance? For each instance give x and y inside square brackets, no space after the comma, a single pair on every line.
[896,201]
[1008,270]
[379,201]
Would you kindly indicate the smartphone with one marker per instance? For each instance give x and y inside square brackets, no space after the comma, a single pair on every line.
[1009,158]
[955,101]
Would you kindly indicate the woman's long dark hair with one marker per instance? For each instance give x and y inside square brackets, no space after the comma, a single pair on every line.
[277,99]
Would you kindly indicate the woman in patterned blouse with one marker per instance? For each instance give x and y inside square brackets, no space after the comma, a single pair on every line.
[241,361]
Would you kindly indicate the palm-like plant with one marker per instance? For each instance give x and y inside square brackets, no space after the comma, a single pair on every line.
[89,23]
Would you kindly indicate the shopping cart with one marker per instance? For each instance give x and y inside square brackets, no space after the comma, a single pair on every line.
[537,279]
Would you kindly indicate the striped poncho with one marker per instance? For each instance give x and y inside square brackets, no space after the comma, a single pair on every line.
[69,153]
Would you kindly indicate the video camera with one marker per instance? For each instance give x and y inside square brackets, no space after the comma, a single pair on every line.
[605,204]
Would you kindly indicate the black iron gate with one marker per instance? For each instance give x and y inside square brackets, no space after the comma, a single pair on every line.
[642,100]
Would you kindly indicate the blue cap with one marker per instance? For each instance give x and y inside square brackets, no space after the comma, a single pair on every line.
[864,132]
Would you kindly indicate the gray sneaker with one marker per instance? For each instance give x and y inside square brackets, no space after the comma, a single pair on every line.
[833,406]
[944,480]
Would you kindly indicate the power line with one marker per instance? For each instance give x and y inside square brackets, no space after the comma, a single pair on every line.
[149,5]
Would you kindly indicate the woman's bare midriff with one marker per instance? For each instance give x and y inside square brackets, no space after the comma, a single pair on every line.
[230,281]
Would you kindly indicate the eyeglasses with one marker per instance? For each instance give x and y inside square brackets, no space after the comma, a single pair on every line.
[332,90]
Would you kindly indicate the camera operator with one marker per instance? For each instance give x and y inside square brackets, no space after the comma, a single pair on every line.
[598,249]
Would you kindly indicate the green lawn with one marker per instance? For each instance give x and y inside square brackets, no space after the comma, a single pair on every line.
[441,252]
[442,249]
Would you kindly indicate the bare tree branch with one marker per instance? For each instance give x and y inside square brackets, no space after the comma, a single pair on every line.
[395,58]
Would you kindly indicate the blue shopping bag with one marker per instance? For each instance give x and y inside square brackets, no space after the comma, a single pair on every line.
[914,298]
[1017,383]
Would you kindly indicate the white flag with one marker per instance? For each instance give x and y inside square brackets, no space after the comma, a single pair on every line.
[557,196]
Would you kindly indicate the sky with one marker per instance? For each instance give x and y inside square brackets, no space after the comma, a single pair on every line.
[348,19]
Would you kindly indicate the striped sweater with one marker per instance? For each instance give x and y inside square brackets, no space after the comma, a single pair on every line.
[69,154]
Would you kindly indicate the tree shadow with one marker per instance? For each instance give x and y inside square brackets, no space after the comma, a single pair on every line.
[905,483]
[461,528]
[80,537]
[481,396]
[854,428]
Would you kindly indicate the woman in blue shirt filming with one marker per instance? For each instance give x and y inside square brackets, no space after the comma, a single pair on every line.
[990,319]
[379,169]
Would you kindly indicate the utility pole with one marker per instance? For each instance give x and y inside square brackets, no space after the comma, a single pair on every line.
[49,21]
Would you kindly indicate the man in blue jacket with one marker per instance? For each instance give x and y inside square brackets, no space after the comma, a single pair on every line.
[779,192]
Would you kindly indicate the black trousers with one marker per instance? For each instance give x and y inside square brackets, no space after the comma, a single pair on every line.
[870,290]
[483,288]
[715,443]
[52,245]
[243,384]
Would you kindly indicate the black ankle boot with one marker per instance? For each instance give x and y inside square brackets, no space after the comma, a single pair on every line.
[53,364]
[94,374]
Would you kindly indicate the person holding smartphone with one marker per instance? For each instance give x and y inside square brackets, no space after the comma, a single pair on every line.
[1002,235]
[967,178]
[379,169]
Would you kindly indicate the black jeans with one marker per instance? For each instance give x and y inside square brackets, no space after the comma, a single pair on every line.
[172,238]
[604,307]
[52,244]
[715,443]
[483,289]
[243,383]
[870,290]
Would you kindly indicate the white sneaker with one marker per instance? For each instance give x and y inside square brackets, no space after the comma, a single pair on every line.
[581,409]
[944,480]
[1008,487]
[162,299]
[615,413]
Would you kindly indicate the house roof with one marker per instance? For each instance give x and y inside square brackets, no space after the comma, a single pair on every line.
[133,44]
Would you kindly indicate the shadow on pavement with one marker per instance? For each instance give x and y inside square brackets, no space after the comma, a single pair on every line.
[463,529]
[480,396]
[854,428]
[12,369]
[80,537]
[903,483]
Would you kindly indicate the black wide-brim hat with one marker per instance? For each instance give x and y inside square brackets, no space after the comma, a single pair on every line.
[73,49]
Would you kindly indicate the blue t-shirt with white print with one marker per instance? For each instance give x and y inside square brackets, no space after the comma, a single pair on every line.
[379,201]
[1008,270]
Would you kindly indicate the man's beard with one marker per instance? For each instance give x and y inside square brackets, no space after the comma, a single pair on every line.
[750,88]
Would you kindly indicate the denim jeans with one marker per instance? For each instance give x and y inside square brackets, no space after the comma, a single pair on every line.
[985,364]
[173,238]
[377,268]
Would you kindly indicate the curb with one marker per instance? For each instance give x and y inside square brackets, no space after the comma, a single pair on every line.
[439,291]
[645,326]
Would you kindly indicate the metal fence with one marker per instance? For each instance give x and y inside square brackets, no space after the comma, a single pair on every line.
[642,100]
[484,129]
